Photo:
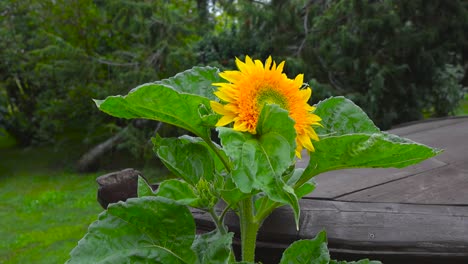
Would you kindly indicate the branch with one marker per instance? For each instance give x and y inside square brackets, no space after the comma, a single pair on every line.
[111,63]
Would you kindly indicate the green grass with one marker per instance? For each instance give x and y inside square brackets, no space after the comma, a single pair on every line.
[44,210]
[6,141]
[463,107]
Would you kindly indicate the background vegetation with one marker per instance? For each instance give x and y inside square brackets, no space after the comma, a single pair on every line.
[399,60]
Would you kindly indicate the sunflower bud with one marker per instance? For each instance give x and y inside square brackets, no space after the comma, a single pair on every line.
[206,193]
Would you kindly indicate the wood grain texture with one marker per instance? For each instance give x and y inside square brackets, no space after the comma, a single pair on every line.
[389,231]
[445,185]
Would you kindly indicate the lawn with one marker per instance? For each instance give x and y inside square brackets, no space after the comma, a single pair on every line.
[44,210]
[463,107]
[46,207]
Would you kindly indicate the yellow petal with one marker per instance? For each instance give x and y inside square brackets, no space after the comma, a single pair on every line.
[225,120]
[306,93]
[259,64]
[313,135]
[242,66]
[240,126]
[280,67]
[299,80]
[268,63]
[218,108]
[298,152]
[227,97]
[249,61]
[305,141]
[231,76]
[232,108]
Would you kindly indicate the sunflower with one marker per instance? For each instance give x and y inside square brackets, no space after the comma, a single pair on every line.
[256,84]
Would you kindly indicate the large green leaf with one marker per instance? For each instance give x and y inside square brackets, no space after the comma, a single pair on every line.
[378,150]
[181,101]
[187,157]
[197,80]
[340,116]
[159,102]
[349,139]
[140,230]
[178,191]
[143,188]
[312,251]
[213,247]
[260,160]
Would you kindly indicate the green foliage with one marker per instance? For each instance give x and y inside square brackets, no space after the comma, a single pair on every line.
[313,251]
[174,153]
[260,160]
[140,230]
[254,173]
[187,102]
[179,191]
[349,139]
[213,247]
[144,189]
[57,55]
[395,59]
[384,55]
[150,230]
[447,98]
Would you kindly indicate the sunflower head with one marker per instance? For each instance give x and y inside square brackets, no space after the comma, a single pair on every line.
[255,84]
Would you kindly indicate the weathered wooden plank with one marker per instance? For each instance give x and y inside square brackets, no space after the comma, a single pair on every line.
[451,136]
[386,231]
[390,231]
[425,125]
[337,183]
[388,224]
[445,185]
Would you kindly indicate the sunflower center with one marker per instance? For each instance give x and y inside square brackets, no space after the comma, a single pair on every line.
[270,96]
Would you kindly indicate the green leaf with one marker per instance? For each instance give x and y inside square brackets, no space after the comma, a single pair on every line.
[349,139]
[197,80]
[144,189]
[260,160]
[182,100]
[179,191]
[140,230]
[305,189]
[231,194]
[188,158]
[213,247]
[313,251]
[218,163]
[340,116]
[378,150]
[159,102]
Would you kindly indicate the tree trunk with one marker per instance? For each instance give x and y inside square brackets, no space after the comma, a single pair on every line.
[89,161]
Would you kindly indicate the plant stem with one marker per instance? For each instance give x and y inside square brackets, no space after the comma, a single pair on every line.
[264,212]
[218,153]
[249,229]
[218,222]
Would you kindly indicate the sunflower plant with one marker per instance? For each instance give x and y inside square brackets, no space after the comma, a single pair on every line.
[264,123]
